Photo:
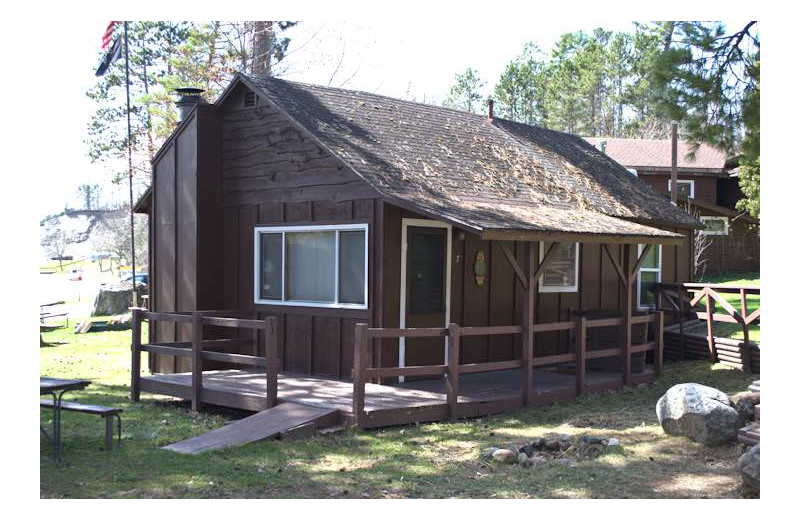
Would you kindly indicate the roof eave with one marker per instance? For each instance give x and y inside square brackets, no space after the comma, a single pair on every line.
[526,235]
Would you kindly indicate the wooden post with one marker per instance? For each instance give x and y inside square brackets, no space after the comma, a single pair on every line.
[454,333]
[136,354]
[580,353]
[747,364]
[197,359]
[626,314]
[710,325]
[271,354]
[359,360]
[528,315]
[658,353]
[680,322]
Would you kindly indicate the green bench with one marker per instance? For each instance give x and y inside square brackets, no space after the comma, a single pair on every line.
[106,412]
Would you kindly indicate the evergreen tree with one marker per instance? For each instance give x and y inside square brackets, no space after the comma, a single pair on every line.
[466,93]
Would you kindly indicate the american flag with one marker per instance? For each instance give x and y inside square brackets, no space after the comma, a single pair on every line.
[108,34]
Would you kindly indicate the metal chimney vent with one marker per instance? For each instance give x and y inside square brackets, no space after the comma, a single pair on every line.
[190,96]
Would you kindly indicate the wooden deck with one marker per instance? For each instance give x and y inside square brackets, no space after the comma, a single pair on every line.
[385,405]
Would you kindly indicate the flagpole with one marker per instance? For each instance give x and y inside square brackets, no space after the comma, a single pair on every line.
[130,168]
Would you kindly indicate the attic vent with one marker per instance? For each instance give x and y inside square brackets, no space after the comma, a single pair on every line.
[250,99]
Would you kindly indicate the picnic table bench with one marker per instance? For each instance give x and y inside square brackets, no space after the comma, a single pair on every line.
[107,412]
[57,388]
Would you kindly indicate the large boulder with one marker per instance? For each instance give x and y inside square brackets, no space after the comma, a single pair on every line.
[702,413]
[750,468]
[115,299]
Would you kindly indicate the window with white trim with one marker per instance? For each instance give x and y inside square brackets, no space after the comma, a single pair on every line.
[649,276]
[561,273]
[685,187]
[714,225]
[633,172]
[312,266]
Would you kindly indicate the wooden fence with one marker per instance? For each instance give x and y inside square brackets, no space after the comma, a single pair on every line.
[200,349]
[364,372]
[699,300]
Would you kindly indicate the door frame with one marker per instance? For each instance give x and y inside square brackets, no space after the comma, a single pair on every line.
[416,222]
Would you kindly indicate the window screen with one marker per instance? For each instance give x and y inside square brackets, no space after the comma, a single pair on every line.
[561,272]
[426,270]
[351,266]
[271,266]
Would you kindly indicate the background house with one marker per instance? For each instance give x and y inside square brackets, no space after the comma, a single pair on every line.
[706,187]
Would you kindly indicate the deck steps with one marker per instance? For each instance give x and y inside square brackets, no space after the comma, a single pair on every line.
[287,420]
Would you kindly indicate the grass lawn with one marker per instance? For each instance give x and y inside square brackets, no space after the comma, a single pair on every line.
[732,330]
[438,460]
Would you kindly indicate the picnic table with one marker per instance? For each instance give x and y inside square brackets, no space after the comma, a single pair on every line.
[57,388]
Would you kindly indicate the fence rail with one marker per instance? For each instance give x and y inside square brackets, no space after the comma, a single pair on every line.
[684,300]
[199,349]
[453,369]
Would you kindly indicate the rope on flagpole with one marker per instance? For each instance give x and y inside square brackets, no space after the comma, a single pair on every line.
[130,168]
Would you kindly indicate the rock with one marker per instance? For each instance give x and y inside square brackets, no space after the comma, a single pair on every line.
[524,461]
[552,443]
[613,441]
[504,455]
[745,405]
[588,439]
[113,300]
[527,450]
[750,468]
[702,413]
[537,442]
[564,442]
[488,452]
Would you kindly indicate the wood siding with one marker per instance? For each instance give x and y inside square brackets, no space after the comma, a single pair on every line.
[705,188]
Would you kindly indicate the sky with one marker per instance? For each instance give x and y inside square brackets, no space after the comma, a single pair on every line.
[410,59]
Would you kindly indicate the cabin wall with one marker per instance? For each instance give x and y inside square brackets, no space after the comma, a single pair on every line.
[274,174]
[705,188]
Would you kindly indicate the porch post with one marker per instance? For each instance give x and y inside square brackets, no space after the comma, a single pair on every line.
[271,355]
[359,366]
[452,369]
[136,354]
[627,313]
[197,359]
[658,353]
[528,315]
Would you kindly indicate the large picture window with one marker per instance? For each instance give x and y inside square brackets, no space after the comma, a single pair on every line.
[315,266]
[561,273]
[649,276]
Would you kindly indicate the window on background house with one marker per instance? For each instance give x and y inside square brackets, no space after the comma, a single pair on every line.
[649,276]
[714,225]
[685,188]
[316,266]
[561,273]
[633,172]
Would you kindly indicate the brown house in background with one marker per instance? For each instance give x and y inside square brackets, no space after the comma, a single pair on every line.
[326,208]
[706,188]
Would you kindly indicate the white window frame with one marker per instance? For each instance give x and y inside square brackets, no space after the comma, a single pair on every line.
[705,232]
[259,230]
[689,181]
[565,288]
[647,270]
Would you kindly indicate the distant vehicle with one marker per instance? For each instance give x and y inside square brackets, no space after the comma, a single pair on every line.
[76,275]
[61,258]
[140,278]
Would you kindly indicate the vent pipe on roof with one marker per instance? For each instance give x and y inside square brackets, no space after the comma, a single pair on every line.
[603,145]
[491,109]
[190,96]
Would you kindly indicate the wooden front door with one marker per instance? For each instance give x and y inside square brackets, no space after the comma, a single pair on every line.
[426,290]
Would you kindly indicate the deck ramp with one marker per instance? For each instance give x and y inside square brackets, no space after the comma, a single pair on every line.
[268,423]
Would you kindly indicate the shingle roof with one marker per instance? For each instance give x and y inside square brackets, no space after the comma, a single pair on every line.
[462,167]
[641,153]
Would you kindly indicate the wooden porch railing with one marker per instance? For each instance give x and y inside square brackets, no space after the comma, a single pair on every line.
[199,349]
[364,372]
[684,300]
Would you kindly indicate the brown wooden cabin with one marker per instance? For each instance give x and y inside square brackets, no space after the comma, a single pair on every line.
[707,188]
[327,208]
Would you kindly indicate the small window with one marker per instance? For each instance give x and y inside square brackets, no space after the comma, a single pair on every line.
[649,276]
[561,273]
[315,266]
[250,99]
[714,225]
[685,188]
